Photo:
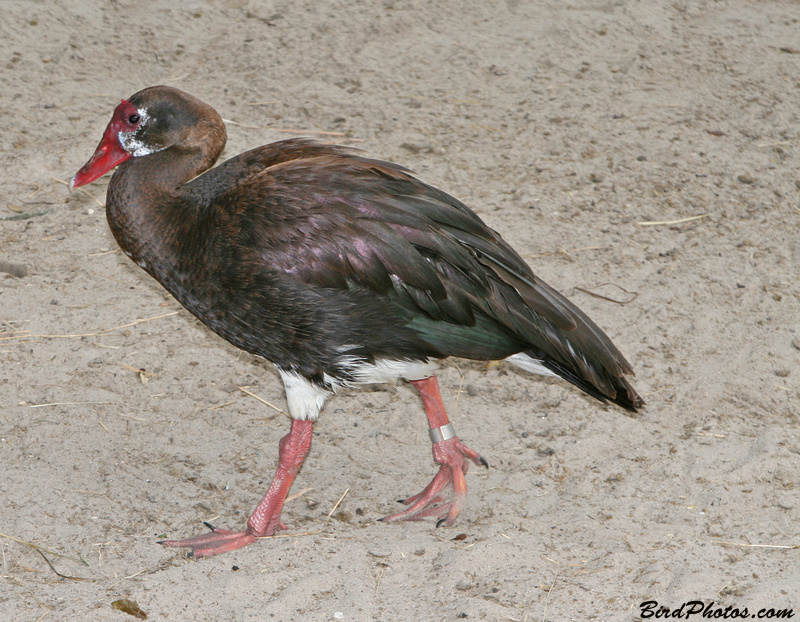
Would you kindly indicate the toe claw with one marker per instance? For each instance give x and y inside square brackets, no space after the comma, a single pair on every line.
[484,462]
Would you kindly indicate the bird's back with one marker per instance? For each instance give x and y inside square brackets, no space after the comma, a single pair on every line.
[338,256]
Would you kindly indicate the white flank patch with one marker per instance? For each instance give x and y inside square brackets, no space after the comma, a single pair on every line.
[305,398]
[133,145]
[530,364]
[388,370]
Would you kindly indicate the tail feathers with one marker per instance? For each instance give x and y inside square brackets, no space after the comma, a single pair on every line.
[623,395]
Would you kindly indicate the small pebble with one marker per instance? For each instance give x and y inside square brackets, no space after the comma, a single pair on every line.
[746,178]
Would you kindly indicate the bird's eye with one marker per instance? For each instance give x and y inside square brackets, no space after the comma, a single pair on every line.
[134,119]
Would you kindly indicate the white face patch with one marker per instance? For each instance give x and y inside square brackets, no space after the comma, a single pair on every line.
[133,145]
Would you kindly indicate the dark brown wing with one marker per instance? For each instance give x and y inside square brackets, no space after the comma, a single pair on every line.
[343,224]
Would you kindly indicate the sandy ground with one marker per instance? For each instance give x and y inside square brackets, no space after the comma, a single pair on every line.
[572,128]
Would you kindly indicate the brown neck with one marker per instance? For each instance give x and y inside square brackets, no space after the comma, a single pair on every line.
[146,204]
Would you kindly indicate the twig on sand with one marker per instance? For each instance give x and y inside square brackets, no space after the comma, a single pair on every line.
[83,403]
[99,332]
[619,302]
[384,566]
[311,533]
[547,598]
[63,576]
[36,547]
[460,386]
[758,546]
[263,401]
[655,223]
[83,190]
[297,494]
[136,574]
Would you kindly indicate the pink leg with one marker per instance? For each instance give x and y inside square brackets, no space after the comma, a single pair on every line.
[444,497]
[266,519]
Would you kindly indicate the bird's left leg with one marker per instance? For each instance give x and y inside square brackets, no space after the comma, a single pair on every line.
[444,497]
[305,400]
[266,518]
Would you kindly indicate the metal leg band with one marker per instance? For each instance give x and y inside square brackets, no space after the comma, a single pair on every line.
[442,434]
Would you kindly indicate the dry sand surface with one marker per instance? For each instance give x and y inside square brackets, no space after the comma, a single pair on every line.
[645,152]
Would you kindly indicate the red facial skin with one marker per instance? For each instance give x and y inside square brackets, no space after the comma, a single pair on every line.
[110,152]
